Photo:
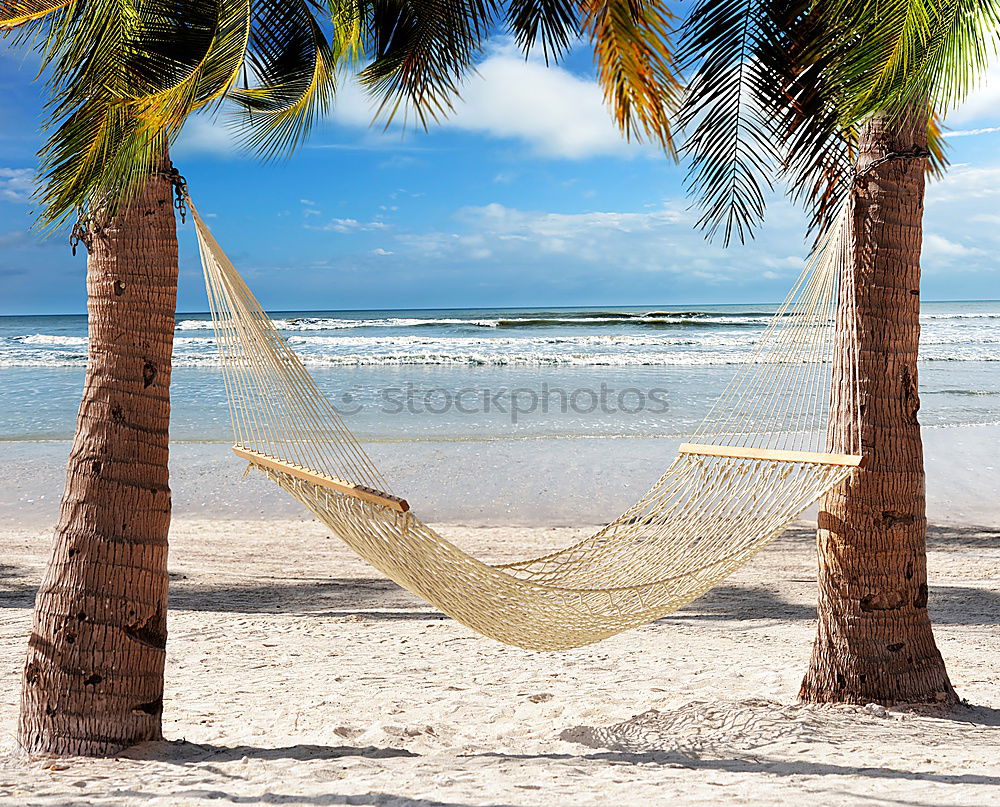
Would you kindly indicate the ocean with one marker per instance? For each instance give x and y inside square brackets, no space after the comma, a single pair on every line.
[491,374]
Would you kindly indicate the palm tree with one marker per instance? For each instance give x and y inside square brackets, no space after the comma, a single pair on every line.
[841,99]
[124,76]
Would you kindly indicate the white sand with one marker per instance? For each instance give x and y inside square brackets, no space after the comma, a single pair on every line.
[297,676]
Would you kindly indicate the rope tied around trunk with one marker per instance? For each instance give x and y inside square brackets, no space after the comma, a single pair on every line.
[180,186]
[915,153]
[81,232]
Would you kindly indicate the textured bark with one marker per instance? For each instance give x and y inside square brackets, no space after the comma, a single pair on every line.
[874,641]
[93,681]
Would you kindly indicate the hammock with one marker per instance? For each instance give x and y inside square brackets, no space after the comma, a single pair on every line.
[757,461]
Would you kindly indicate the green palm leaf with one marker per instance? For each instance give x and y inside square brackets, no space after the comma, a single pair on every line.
[15,13]
[114,114]
[729,123]
[421,50]
[553,24]
[294,67]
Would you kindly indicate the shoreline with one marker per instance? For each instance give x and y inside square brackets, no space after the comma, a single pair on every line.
[524,481]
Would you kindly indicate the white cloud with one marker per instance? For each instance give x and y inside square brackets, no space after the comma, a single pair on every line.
[380,251]
[554,111]
[937,246]
[605,245]
[508,222]
[206,135]
[983,103]
[971,132]
[551,110]
[963,183]
[961,236]
[348,226]
[348,98]
[16,184]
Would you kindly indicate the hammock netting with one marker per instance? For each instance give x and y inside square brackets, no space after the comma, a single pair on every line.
[759,459]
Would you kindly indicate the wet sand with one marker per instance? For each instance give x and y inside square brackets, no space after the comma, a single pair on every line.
[533,482]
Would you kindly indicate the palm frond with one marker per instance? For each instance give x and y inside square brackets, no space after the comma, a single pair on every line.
[115,113]
[836,73]
[15,13]
[551,23]
[813,72]
[97,158]
[633,50]
[348,40]
[294,67]
[124,49]
[795,49]
[937,145]
[421,51]
[912,52]
[730,129]
[210,77]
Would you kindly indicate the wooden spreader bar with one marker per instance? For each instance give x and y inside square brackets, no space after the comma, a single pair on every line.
[775,455]
[323,480]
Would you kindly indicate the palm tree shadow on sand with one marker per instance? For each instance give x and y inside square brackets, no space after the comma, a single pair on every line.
[182,752]
[752,735]
[689,734]
[745,737]
[209,756]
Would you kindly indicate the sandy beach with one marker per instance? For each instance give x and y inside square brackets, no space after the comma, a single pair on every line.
[296,675]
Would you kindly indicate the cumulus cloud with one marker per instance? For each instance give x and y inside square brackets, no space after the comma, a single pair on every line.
[554,112]
[577,233]
[963,183]
[937,245]
[550,110]
[16,184]
[519,256]
[204,134]
[960,222]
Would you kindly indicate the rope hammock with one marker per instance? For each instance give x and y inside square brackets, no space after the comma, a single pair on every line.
[757,461]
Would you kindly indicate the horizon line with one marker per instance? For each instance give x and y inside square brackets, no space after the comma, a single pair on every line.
[485,308]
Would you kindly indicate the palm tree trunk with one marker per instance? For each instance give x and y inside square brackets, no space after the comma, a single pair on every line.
[93,681]
[874,641]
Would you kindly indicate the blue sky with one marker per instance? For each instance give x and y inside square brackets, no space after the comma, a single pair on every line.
[526,196]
